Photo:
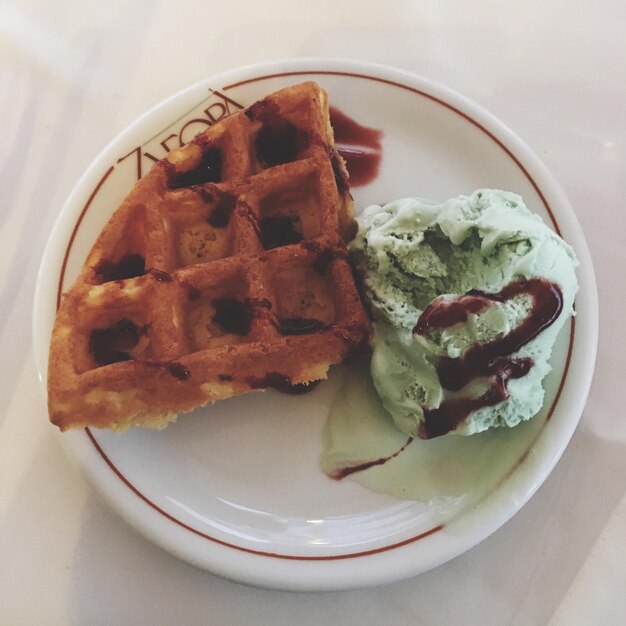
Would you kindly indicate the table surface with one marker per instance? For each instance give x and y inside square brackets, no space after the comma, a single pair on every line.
[72,75]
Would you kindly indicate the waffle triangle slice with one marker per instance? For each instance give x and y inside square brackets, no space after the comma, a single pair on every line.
[224,271]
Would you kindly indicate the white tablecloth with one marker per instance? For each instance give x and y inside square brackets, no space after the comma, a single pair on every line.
[72,75]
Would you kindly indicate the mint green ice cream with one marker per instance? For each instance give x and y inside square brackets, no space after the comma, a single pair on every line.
[416,255]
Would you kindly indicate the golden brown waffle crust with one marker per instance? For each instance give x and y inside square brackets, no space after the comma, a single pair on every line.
[169,354]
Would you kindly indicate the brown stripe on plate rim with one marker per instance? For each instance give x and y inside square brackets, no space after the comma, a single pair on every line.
[75,230]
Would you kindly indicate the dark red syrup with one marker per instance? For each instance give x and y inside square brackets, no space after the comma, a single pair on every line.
[278,231]
[300,326]
[325,256]
[174,368]
[277,142]
[234,316]
[360,147]
[209,170]
[221,212]
[342,472]
[178,370]
[129,266]
[113,344]
[281,382]
[161,276]
[487,359]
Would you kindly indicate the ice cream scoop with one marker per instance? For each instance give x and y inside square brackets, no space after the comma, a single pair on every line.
[468,297]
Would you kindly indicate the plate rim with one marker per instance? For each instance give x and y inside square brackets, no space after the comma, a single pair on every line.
[329,573]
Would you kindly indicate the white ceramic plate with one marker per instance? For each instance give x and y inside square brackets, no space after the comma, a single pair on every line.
[236,488]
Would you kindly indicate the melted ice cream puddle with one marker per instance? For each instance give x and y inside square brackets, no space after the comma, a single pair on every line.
[449,473]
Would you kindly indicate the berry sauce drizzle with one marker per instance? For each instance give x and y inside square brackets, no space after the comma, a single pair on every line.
[491,359]
[359,146]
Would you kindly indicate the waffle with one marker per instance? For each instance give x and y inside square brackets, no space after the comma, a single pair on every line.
[224,271]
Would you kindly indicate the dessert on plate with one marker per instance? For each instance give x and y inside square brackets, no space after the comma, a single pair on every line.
[468,297]
[224,271]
